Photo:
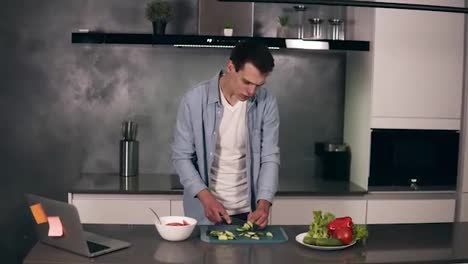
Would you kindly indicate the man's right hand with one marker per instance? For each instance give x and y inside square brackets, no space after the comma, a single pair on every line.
[214,210]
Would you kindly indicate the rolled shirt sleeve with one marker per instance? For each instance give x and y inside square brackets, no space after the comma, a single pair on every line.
[270,153]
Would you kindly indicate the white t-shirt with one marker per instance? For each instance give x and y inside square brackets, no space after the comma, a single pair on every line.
[228,174]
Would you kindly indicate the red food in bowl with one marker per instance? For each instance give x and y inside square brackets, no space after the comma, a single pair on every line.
[184,223]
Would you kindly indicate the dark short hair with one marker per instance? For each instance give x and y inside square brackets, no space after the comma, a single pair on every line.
[254,52]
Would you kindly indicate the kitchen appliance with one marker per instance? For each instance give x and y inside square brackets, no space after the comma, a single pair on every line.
[414,158]
[334,161]
[129,148]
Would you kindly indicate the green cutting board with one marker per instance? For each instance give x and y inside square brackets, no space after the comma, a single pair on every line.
[279,235]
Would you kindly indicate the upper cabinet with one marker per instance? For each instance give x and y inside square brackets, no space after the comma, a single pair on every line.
[246,21]
[417,68]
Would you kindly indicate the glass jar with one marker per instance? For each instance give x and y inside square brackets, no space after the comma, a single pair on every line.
[300,10]
[316,28]
[336,29]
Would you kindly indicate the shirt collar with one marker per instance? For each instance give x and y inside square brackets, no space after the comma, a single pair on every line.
[213,90]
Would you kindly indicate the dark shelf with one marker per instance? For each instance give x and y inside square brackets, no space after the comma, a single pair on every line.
[213,41]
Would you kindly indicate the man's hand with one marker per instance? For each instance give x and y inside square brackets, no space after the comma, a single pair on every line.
[214,210]
[260,215]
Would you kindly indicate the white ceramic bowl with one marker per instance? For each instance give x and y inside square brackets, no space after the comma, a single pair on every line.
[175,233]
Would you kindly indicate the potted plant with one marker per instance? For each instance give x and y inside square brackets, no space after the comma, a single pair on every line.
[159,13]
[228,30]
[282,31]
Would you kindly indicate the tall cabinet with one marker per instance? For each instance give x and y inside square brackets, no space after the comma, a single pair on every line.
[411,79]
[463,179]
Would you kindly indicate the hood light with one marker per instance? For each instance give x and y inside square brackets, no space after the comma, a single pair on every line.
[307,44]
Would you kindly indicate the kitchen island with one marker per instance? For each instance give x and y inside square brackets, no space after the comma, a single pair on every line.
[402,243]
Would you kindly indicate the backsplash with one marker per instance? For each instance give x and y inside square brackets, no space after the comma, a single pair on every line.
[308,88]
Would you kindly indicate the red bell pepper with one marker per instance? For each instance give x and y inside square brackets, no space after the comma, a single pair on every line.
[341,222]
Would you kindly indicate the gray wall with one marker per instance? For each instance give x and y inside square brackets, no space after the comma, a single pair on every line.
[61,105]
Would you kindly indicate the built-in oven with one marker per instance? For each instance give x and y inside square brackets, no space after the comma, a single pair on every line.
[417,159]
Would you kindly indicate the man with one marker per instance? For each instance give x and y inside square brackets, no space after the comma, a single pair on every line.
[225,148]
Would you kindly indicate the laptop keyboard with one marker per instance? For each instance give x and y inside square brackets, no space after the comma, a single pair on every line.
[94,247]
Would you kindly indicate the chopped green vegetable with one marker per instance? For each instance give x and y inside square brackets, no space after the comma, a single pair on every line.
[246,227]
[247,230]
[223,235]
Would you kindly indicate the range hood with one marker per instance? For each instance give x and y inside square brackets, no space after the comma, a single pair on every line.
[197,41]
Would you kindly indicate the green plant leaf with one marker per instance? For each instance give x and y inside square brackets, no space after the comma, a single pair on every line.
[159,10]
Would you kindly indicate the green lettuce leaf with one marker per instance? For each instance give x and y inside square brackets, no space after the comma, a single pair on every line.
[318,228]
[360,232]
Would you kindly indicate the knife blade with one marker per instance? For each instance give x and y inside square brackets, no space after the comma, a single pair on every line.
[235,222]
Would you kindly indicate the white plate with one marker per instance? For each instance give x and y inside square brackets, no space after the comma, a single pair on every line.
[300,238]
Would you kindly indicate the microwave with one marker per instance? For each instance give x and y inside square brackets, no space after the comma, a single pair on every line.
[413,158]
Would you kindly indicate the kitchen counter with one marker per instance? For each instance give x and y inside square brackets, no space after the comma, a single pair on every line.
[160,183]
[404,243]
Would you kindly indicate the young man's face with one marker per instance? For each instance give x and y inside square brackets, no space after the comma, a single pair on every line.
[246,81]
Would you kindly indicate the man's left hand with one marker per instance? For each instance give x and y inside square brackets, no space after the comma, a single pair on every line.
[260,215]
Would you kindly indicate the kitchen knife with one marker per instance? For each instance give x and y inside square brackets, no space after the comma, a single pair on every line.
[235,223]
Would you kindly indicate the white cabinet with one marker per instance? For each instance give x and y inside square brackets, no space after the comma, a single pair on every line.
[123,208]
[411,210]
[177,207]
[417,68]
[299,210]
[464,208]
[294,210]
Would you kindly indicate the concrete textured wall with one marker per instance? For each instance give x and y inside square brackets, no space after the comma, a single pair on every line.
[62,104]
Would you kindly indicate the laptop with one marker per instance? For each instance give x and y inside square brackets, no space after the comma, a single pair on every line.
[74,238]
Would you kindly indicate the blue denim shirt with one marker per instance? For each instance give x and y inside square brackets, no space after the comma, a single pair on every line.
[198,119]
